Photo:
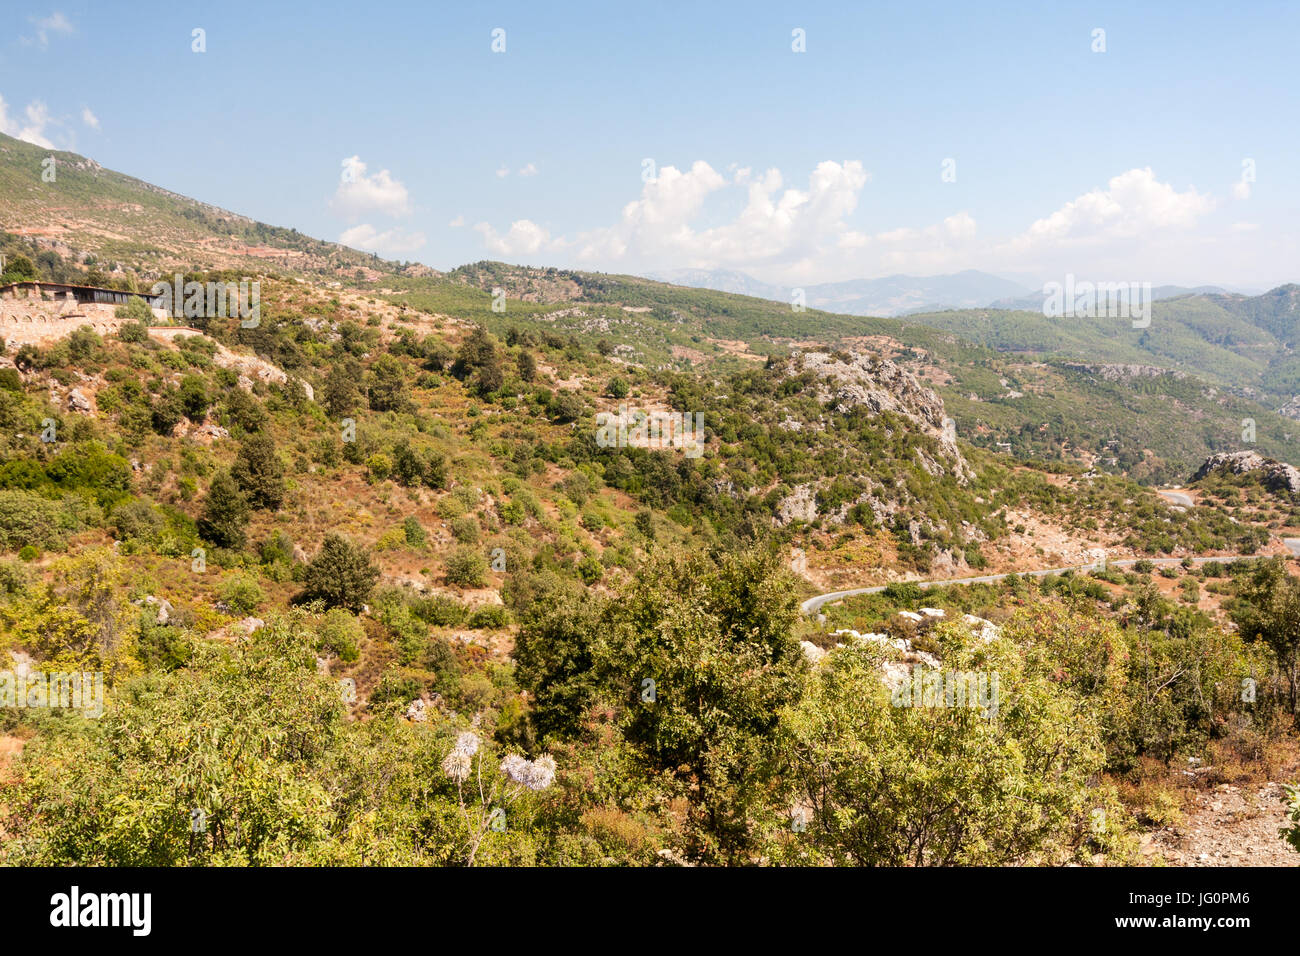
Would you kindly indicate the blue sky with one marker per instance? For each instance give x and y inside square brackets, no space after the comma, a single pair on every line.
[397,128]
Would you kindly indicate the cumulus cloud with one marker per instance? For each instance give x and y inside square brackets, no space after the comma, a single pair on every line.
[89,118]
[812,231]
[1133,204]
[391,242]
[457,222]
[503,172]
[524,237]
[54,23]
[529,170]
[31,128]
[785,231]
[359,194]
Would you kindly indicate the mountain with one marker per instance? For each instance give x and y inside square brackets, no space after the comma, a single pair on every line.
[1242,343]
[116,217]
[355,577]
[889,296]
[1034,302]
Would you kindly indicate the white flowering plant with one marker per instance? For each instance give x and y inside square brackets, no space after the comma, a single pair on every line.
[517,776]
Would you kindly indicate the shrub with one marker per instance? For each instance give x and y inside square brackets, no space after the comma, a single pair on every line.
[137,310]
[137,519]
[490,617]
[27,518]
[242,594]
[414,532]
[465,529]
[340,633]
[467,568]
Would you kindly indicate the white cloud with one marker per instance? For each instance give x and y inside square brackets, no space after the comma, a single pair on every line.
[391,242]
[457,222]
[783,233]
[524,237]
[359,194]
[89,118]
[503,172]
[529,170]
[31,128]
[1133,205]
[798,233]
[54,23]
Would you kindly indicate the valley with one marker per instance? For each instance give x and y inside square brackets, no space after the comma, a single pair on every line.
[330,560]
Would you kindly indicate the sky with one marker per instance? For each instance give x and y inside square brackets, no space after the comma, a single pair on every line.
[795,142]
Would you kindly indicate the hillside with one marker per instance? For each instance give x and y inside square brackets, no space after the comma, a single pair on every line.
[401,530]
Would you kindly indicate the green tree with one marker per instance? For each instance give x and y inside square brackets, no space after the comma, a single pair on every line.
[19,269]
[527,365]
[342,392]
[194,398]
[341,574]
[1269,611]
[244,737]
[388,388]
[260,472]
[892,781]
[225,513]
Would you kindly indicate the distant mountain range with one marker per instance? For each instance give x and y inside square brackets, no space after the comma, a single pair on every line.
[892,295]
[895,295]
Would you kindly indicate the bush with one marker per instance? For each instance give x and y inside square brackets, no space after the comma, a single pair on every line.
[340,633]
[242,594]
[467,568]
[465,529]
[27,518]
[490,617]
[137,520]
[414,532]
[138,311]
[440,610]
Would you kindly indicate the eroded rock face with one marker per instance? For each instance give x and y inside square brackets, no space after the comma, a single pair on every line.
[1277,476]
[883,386]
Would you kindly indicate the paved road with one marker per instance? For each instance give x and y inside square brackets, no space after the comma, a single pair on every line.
[814,604]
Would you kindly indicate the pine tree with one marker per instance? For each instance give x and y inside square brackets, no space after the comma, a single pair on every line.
[342,390]
[260,473]
[341,574]
[225,513]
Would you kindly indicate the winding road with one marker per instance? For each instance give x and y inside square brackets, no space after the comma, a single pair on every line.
[814,604]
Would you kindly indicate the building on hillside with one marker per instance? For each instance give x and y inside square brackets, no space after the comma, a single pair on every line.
[79,294]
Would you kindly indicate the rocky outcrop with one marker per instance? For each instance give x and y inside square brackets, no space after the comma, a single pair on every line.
[851,380]
[1115,373]
[1291,409]
[1274,475]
